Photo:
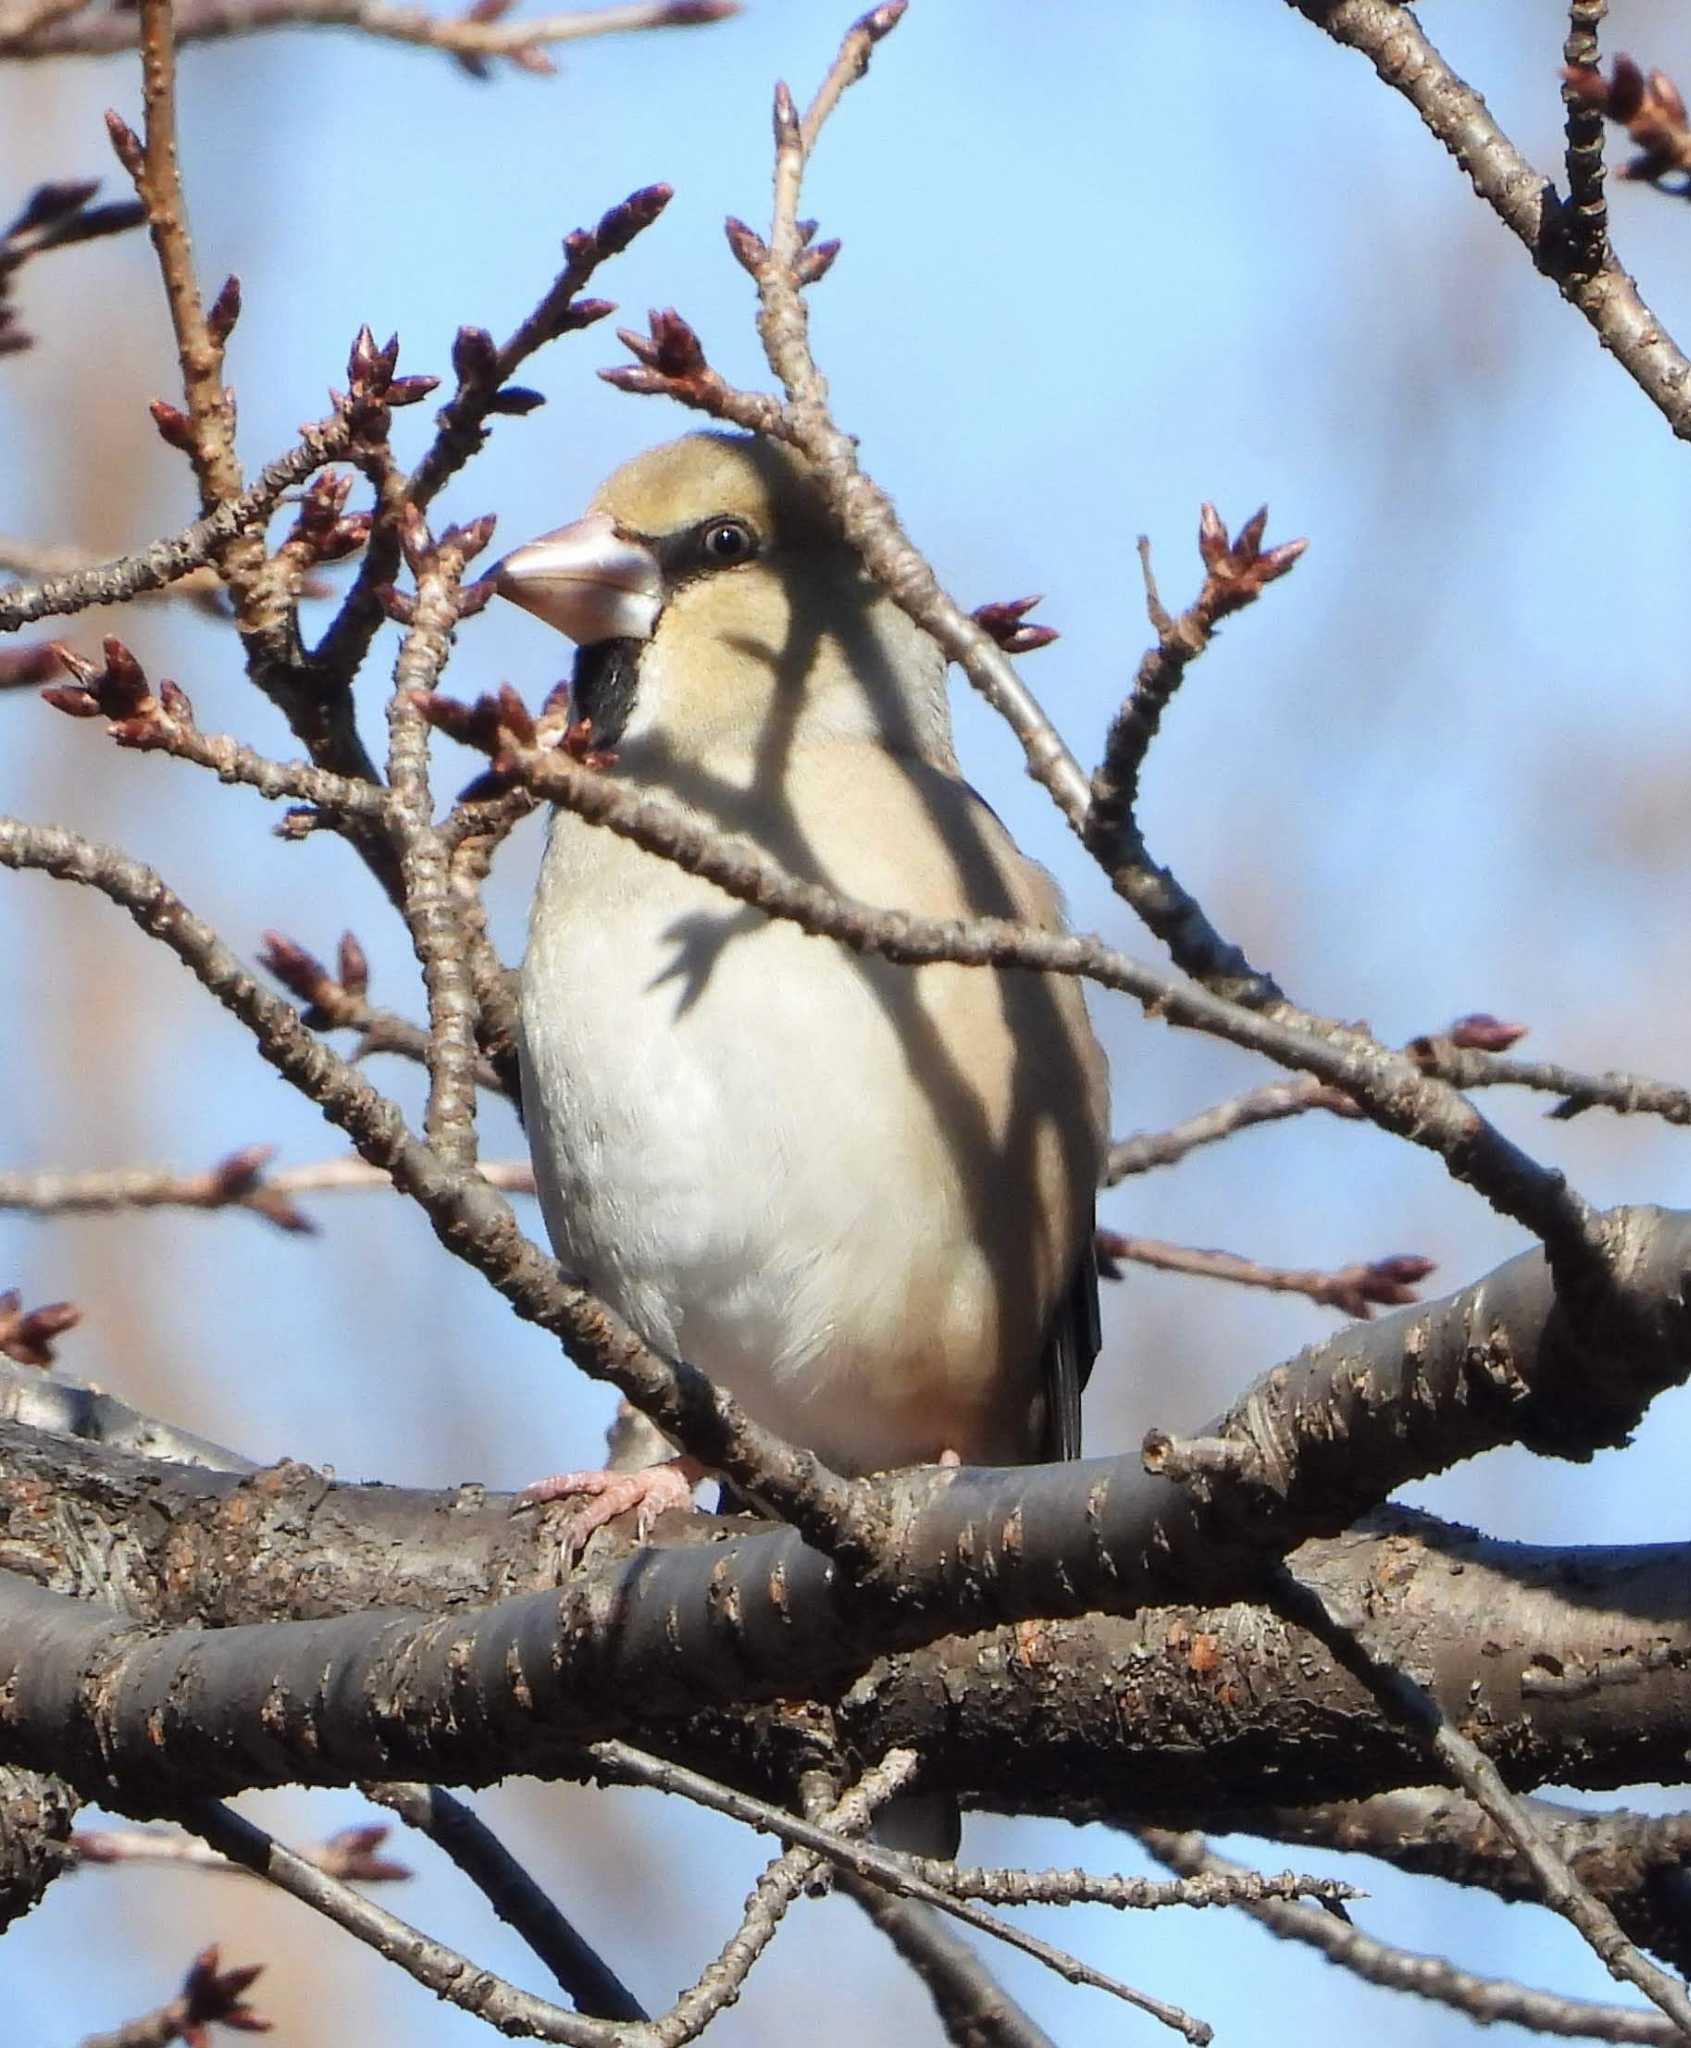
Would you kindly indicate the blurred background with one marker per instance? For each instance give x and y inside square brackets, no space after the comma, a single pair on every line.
[1100,265]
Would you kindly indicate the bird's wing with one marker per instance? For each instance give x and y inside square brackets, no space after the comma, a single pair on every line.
[1073,1343]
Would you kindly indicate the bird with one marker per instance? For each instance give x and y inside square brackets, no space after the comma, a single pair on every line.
[858,1195]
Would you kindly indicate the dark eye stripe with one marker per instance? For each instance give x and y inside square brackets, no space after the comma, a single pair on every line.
[704,548]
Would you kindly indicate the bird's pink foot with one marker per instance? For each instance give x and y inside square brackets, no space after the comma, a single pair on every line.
[602,1496]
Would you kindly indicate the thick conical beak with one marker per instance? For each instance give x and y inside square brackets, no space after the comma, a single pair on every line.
[585,580]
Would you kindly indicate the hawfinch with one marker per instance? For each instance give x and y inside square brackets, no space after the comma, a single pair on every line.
[858,1195]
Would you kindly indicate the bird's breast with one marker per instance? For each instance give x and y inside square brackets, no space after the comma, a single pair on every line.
[847,1190]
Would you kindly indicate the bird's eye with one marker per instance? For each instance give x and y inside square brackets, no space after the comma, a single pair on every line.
[725,541]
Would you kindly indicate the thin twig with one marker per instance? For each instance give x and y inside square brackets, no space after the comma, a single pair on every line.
[1391,38]
[163,721]
[450,1975]
[885,1867]
[864,511]
[779,1884]
[168,561]
[158,182]
[430,903]
[1355,1290]
[46,33]
[1274,1101]
[1237,569]
[970,2003]
[1487,2001]
[973,2007]
[494,984]
[351,1853]
[239,1181]
[1586,215]
[1624,1094]
[514,1895]
[484,392]
[1410,1703]
[201,588]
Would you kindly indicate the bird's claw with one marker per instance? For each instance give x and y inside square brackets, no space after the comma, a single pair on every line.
[602,1497]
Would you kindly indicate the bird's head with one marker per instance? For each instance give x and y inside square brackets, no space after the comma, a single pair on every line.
[714,603]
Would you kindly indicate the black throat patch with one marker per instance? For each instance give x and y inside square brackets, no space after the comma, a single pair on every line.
[603,685]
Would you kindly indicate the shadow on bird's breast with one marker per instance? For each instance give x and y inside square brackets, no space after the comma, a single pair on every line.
[700,939]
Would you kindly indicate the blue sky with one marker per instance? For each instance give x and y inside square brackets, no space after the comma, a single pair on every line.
[1100,265]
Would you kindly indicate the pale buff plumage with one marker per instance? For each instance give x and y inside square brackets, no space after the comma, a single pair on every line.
[856,1194]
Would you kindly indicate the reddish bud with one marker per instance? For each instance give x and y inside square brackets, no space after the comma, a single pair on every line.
[469,539]
[786,117]
[409,390]
[346,537]
[352,965]
[671,348]
[71,698]
[26,1335]
[176,702]
[176,429]
[1626,89]
[635,214]
[584,312]
[475,359]
[351,1854]
[815,264]
[1665,97]
[215,1997]
[1361,1288]
[240,1172]
[1004,621]
[630,377]
[750,250]
[485,724]
[1403,1268]
[33,663]
[361,358]
[514,399]
[301,973]
[49,205]
[1481,1032]
[126,143]
[225,311]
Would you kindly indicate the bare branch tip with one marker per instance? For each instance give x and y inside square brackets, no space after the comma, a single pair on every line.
[786,117]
